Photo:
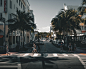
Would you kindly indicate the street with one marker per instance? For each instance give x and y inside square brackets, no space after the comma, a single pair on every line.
[48,47]
[49,57]
[45,61]
[42,34]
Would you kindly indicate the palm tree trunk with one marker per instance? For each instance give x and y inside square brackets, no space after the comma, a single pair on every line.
[64,37]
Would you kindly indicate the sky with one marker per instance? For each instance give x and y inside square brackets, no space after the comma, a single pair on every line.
[45,10]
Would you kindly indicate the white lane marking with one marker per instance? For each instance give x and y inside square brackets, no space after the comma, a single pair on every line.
[74,54]
[55,54]
[26,54]
[19,64]
[35,54]
[80,60]
[65,54]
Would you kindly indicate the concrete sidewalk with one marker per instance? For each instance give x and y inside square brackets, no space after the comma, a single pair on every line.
[80,50]
[11,53]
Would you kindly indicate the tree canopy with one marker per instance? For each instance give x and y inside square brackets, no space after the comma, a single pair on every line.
[21,21]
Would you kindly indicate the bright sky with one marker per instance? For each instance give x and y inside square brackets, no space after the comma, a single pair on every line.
[45,10]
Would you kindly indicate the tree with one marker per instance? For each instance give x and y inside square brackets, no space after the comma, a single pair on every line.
[22,22]
[66,21]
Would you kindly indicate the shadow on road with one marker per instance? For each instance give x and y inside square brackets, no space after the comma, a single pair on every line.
[43,60]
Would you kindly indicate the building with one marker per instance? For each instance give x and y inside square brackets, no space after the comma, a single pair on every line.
[82,25]
[11,6]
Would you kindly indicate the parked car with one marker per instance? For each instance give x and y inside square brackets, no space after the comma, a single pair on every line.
[39,43]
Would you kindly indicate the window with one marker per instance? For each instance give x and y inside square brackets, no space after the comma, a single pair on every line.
[17,1]
[23,7]
[0,15]
[0,2]
[14,6]
[10,16]
[21,4]
[10,4]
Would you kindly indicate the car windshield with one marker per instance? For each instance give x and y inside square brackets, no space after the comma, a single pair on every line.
[42,34]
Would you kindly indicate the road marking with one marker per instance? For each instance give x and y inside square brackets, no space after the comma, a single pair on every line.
[81,61]
[65,54]
[19,64]
[26,54]
[55,54]
[74,54]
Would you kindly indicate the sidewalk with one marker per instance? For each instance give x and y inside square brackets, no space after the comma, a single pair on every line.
[11,53]
[80,50]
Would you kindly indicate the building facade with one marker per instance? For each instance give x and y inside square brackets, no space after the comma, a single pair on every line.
[82,25]
[6,8]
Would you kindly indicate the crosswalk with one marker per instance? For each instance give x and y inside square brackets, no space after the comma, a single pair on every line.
[82,58]
[48,54]
[7,62]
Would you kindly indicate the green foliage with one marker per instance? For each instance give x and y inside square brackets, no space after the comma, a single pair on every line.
[21,21]
[66,21]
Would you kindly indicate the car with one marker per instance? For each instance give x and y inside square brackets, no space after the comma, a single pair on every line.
[39,43]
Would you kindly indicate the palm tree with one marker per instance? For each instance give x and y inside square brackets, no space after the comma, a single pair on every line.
[66,21]
[22,22]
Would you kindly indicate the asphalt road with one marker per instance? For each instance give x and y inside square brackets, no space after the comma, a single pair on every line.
[48,47]
[43,61]
[48,58]
[52,62]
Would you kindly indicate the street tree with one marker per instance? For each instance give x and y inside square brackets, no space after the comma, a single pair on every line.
[21,21]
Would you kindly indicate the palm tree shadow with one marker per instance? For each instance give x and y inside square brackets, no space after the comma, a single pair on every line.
[9,59]
[44,60]
[36,59]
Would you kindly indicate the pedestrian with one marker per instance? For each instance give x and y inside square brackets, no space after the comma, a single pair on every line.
[34,48]
[61,47]
[74,46]
[7,50]
[70,47]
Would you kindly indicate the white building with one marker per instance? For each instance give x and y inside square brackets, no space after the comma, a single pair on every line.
[82,25]
[11,6]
